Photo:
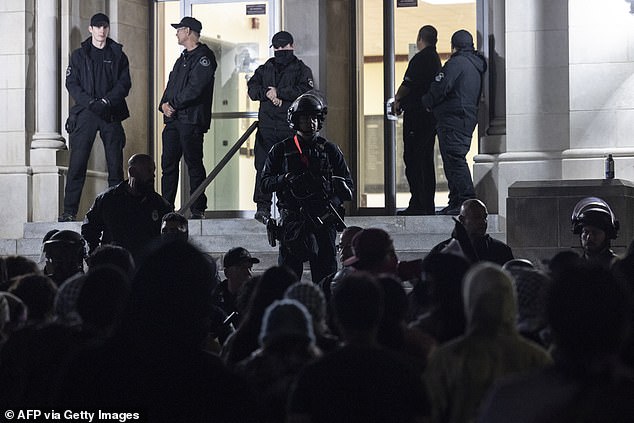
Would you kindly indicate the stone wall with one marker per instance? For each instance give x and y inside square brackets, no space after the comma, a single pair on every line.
[17,114]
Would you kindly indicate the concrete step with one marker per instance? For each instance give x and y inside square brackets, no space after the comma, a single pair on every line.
[413,236]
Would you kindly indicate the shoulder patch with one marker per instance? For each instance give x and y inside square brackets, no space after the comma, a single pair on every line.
[155,215]
[204,61]
[311,83]
[68,71]
[439,77]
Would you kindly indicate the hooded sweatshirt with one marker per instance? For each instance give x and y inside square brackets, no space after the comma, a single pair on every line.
[460,372]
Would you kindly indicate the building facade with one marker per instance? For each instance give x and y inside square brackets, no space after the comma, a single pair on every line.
[558,95]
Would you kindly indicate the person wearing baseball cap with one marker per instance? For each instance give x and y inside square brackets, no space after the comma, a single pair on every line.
[281,39]
[98,80]
[237,263]
[189,22]
[186,107]
[275,84]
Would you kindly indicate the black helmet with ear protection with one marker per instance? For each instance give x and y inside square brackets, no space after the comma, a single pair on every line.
[594,211]
[309,103]
[68,241]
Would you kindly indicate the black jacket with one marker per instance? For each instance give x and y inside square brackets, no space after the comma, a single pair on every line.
[455,92]
[483,249]
[418,77]
[120,218]
[81,85]
[190,88]
[291,81]
[325,160]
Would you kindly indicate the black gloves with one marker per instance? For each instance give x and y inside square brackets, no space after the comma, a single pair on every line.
[100,107]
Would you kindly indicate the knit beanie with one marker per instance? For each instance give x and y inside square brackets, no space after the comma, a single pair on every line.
[286,319]
[462,40]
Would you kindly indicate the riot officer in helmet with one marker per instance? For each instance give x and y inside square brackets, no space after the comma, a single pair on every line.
[312,180]
[65,252]
[593,219]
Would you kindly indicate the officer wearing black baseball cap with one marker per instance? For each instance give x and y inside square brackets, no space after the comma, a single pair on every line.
[186,107]
[189,22]
[98,79]
[281,39]
[237,256]
[99,20]
[237,264]
[275,84]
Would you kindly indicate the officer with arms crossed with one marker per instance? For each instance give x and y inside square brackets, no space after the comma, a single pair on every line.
[98,79]
[312,180]
[276,84]
[186,108]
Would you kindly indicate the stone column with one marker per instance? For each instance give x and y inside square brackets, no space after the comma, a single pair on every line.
[47,133]
[537,95]
[492,115]
[47,182]
[601,90]
[494,46]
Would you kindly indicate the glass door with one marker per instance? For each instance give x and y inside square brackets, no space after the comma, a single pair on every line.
[447,16]
[239,33]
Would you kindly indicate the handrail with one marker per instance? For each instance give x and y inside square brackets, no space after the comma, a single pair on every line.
[216,170]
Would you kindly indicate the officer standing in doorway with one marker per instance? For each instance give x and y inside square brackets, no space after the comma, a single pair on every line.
[275,84]
[454,96]
[312,180]
[419,125]
[98,79]
[186,108]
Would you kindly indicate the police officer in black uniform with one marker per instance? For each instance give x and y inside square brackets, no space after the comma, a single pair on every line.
[312,180]
[276,84]
[453,97]
[186,106]
[594,221]
[98,79]
[128,214]
[419,125]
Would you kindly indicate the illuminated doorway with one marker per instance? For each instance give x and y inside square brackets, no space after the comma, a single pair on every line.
[239,34]
[447,16]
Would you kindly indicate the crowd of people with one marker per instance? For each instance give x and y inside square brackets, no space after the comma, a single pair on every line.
[467,333]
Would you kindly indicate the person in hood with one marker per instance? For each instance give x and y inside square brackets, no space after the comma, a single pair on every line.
[461,371]
[453,97]
[275,84]
[98,79]
[186,108]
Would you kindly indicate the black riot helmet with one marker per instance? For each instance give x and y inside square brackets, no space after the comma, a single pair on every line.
[66,244]
[594,211]
[65,252]
[308,103]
